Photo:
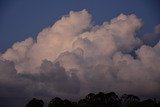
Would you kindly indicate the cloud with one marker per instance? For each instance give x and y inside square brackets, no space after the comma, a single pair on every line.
[11,87]
[157,29]
[49,43]
[152,38]
[117,35]
[74,57]
[19,54]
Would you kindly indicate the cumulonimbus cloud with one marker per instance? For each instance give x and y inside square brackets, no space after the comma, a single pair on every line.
[74,57]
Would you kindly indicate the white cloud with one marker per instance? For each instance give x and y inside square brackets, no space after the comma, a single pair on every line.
[74,57]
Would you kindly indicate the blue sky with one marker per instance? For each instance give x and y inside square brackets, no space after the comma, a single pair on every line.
[20,19]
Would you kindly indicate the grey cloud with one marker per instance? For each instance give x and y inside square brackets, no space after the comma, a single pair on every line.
[152,38]
[157,29]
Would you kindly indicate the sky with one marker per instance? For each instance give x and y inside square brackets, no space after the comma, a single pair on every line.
[20,19]
[70,48]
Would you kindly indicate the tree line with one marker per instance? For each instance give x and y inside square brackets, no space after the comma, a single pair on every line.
[98,100]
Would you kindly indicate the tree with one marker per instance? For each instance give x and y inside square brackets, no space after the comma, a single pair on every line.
[56,102]
[130,100]
[112,100]
[148,103]
[67,103]
[35,103]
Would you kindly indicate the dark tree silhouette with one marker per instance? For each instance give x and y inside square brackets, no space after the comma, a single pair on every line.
[113,100]
[82,103]
[67,103]
[35,103]
[149,103]
[98,100]
[56,102]
[90,96]
[130,100]
[158,104]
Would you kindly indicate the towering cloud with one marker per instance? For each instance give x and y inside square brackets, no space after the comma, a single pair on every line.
[52,41]
[75,57]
